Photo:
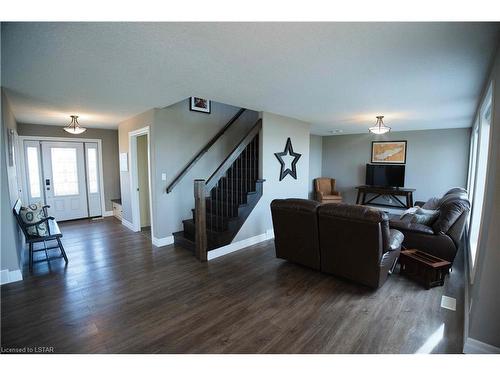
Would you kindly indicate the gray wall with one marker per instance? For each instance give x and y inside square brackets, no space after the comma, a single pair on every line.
[109,137]
[484,322]
[437,160]
[315,161]
[11,245]
[275,131]
[177,134]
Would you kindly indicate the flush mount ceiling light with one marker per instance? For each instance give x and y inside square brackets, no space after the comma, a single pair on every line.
[336,131]
[74,127]
[379,127]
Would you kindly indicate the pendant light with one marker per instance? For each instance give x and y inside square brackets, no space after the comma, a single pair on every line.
[379,127]
[74,127]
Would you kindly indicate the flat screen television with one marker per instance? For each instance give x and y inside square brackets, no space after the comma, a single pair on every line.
[385,175]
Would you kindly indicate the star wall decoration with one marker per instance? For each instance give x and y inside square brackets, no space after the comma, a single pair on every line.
[289,154]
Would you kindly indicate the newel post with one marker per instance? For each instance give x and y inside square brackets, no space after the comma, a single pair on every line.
[200,220]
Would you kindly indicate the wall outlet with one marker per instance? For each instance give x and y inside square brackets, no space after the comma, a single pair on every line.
[164,177]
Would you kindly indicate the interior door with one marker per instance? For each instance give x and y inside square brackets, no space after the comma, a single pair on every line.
[64,179]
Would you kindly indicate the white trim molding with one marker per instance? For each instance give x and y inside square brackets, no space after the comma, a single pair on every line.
[473,346]
[164,241]
[128,224]
[10,276]
[107,213]
[134,191]
[235,246]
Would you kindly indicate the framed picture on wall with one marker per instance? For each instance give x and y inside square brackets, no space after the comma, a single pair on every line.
[390,152]
[199,105]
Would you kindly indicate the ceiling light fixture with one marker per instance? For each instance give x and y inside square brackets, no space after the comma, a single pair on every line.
[74,127]
[379,127]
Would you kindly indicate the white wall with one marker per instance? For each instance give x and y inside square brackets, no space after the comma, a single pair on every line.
[484,321]
[315,161]
[275,131]
[436,161]
[11,244]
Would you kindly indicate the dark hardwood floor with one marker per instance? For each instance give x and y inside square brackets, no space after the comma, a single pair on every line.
[120,294]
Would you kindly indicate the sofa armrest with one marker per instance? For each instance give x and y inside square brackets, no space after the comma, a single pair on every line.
[405,226]
[395,240]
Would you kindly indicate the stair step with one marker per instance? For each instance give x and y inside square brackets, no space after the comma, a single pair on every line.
[213,237]
[181,240]
[212,216]
[229,210]
[231,196]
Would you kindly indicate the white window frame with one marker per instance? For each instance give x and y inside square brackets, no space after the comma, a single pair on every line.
[477,131]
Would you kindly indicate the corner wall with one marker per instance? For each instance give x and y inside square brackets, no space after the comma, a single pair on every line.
[11,243]
[275,131]
[109,138]
[315,161]
[177,134]
[436,161]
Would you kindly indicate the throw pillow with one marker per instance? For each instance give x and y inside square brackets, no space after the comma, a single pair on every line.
[32,214]
[423,216]
[409,212]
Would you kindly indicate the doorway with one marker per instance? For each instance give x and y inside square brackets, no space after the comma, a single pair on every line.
[143,182]
[140,181]
[66,175]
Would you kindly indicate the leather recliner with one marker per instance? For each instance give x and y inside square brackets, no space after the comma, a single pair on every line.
[295,224]
[442,238]
[356,243]
[350,241]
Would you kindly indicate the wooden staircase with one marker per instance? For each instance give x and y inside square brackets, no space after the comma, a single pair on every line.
[229,196]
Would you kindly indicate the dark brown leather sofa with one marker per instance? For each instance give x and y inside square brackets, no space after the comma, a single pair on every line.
[442,239]
[295,224]
[349,241]
[356,243]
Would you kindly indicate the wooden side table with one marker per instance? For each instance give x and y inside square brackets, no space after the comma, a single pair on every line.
[424,268]
[378,191]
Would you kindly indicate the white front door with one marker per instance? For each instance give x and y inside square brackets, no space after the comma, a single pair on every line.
[64,179]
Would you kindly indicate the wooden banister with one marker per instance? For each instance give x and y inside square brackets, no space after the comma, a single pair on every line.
[198,156]
[235,153]
[200,218]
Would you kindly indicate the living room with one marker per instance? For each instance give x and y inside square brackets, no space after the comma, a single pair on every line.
[259,188]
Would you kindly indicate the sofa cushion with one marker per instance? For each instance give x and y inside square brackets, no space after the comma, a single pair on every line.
[432,204]
[452,207]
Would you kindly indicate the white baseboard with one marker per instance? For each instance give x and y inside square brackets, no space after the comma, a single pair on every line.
[128,224]
[10,276]
[472,346]
[107,213]
[164,241]
[235,246]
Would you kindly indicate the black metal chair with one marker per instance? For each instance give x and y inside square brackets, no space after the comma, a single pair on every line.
[54,233]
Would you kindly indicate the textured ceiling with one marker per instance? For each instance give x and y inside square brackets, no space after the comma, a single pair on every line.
[333,75]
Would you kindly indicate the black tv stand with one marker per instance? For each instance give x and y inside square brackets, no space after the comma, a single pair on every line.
[379,191]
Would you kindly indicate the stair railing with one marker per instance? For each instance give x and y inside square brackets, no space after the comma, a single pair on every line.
[240,169]
[198,156]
